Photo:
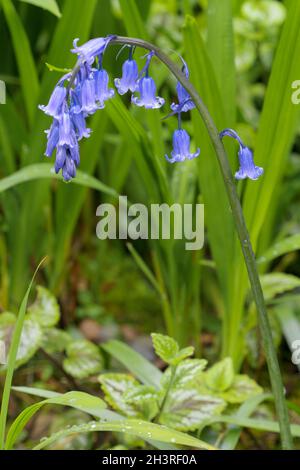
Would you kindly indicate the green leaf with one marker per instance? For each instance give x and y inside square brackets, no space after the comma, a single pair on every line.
[78,400]
[132,19]
[45,309]
[168,350]
[232,436]
[220,376]
[45,170]
[220,45]
[49,5]
[115,386]
[105,414]
[278,283]
[146,372]
[241,390]
[145,399]
[186,409]
[55,340]
[84,359]
[252,423]
[25,60]
[165,347]
[188,371]
[280,248]
[138,428]
[30,338]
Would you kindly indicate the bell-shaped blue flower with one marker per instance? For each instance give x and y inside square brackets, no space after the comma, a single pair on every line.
[247,167]
[130,74]
[102,90]
[56,101]
[185,102]
[148,98]
[181,147]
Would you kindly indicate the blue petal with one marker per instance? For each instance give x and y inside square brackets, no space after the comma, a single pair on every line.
[129,78]
[103,92]
[89,50]
[247,167]
[148,98]
[56,101]
[181,147]
[53,137]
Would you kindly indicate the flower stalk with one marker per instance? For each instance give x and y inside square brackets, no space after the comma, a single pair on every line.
[243,235]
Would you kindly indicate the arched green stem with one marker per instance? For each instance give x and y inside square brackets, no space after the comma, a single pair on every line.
[242,231]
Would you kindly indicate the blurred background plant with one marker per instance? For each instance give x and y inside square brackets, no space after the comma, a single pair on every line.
[243,58]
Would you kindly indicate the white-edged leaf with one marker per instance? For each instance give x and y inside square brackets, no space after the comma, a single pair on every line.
[187,371]
[185,408]
[45,309]
[84,359]
[115,388]
[30,338]
[145,399]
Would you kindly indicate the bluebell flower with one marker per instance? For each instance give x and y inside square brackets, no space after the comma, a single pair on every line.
[247,167]
[89,50]
[130,74]
[147,89]
[102,91]
[181,147]
[57,98]
[148,98]
[185,102]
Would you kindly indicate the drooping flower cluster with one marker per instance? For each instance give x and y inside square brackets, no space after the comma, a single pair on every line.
[82,92]
[74,98]
[247,167]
